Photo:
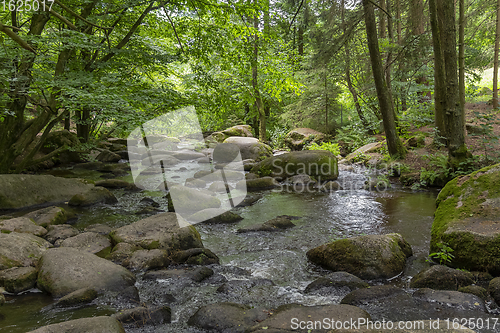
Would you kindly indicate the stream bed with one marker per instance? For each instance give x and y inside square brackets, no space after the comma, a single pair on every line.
[276,260]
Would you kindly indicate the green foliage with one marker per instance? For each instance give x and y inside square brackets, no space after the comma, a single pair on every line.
[354,135]
[489,140]
[328,146]
[277,136]
[361,158]
[443,255]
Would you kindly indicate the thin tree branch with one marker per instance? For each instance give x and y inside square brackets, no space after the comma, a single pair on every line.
[16,38]
[78,16]
[173,27]
[296,13]
[64,20]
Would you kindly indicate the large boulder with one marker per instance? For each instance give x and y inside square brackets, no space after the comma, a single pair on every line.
[18,279]
[48,216]
[93,196]
[238,130]
[186,201]
[18,191]
[107,156]
[467,218]
[298,138]
[91,242]
[84,325]
[319,164]
[250,148]
[441,277]
[290,316]
[21,250]
[161,231]
[367,257]
[139,316]
[22,225]
[64,270]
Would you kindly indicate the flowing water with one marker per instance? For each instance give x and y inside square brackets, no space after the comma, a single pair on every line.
[276,256]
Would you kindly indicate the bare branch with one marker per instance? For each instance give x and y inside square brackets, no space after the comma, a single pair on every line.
[16,38]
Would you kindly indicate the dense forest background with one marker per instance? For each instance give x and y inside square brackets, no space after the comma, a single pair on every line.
[348,68]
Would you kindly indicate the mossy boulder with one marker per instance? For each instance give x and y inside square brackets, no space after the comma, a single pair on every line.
[107,156]
[20,191]
[95,195]
[494,288]
[250,148]
[417,141]
[84,325]
[367,257]
[117,183]
[336,281]
[18,279]
[21,250]
[238,130]
[467,218]
[161,231]
[64,270]
[442,278]
[258,184]
[58,233]
[91,242]
[475,290]
[22,225]
[77,297]
[320,164]
[147,259]
[48,216]
[299,138]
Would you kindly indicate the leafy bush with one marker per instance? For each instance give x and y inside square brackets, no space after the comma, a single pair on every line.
[328,146]
[277,137]
[354,135]
[444,254]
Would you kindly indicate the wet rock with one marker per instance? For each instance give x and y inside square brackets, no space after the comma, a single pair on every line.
[60,232]
[101,229]
[125,155]
[367,257]
[21,250]
[187,200]
[18,279]
[442,278]
[286,315]
[64,270]
[195,256]
[150,201]
[330,186]
[230,175]
[248,200]
[443,301]
[195,183]
[320,164]
[107,156]
[336,281]
[129,295]
[250,148]
[48,216]
[219,187]
[18,191]
[298,138]
[258,184]
[196,274]
[140,316]
[300,179]
[116,183]
[149,211]
[238,130]
[160,231]
[467,218]
[93,196]
[89,166]
[84,325]
[77,297]
[227,317]
[147,259]
[215,216]
[118,169]
[91,242]
[494,289]
[278,223]
[250,176]
[22,225]
[122,252]
[475,290]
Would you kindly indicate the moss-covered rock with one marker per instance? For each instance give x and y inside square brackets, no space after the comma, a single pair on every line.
[442,278]
[336,281]
[140,316]
[20,250]
[93,196]
[494,289]
[258,184]
[91,242]
[250,148]
[475,290]
[320,164]
[298,138]
[467,218]
[18,279]
[22,225]
[367,257]
[148,259]
[58,233]
[48,216]
[107,156]
[77,297]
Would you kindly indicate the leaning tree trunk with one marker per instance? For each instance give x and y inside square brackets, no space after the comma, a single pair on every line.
[394,144]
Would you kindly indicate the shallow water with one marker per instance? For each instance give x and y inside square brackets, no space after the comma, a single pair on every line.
[277,256]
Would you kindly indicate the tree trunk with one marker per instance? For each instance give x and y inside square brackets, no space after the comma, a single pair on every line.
[439,73]
[401,67]
[461,54]
[495,59]
[394,144]
[259,105]
[300,38]
[382,19]
[454,111]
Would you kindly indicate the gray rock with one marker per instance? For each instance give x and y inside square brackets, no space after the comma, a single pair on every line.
[91,242]
[99,228]
[93,196]
[18,191]
[77,297]
[367,257]
[336,281]
[122,252]
[226,317]
[20,250]
[48,216]
[187,201]
[250,148]
[475,290]
[107,156]
[298,138]
[140,316]
[259,184]
[278,223]
[60,232]
[195,256]
[187,155]
[195,183]
[18,279]
[84,325]
[215,216]
[494,289]
[441,277]
[22,225]
[64,270]
[148,259]
[117,183]
[196,274]
[159,231]
[219,187]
